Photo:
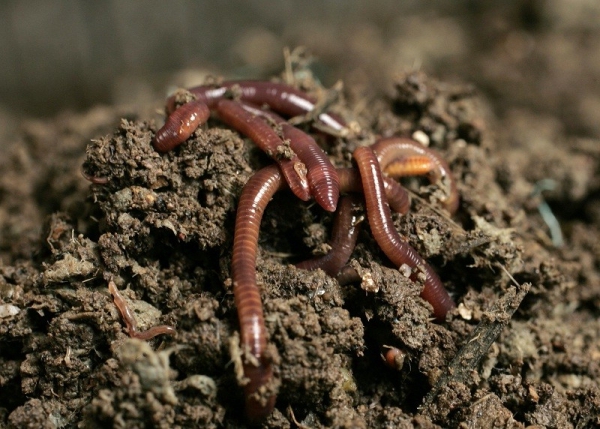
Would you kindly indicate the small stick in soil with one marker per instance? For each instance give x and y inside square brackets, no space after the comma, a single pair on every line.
[130,321]
[478,344]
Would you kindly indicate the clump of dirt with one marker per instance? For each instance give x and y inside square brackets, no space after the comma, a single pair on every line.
[161,226]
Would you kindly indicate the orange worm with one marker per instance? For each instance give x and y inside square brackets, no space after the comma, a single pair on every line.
[416,165]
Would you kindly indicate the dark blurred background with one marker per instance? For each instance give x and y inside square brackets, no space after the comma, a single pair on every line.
[538,55]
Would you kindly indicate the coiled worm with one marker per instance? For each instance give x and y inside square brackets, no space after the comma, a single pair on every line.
[394,155]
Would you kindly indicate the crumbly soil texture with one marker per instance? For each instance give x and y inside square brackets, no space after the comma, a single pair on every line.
[522,349]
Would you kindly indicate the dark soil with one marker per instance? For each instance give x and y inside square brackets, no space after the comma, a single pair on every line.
[162,228]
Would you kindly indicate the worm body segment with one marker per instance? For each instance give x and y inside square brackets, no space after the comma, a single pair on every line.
[416,165]
[322,176]
[180,125]
[396,195]
[255,196]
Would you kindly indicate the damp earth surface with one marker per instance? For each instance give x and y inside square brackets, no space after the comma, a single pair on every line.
[522,349]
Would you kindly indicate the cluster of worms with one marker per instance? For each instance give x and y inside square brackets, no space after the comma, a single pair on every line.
[253,108]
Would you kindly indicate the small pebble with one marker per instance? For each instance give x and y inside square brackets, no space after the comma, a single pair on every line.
[8,310]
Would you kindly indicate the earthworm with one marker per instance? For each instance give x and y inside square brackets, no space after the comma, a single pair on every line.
[255,196]
[130,321]
[253,127]
[343,239]
[280,97]
[395,150]
[96,180]
[382,227]
[322,176]
[348,275]
[180,125]
[394,357]
[397,196]
[345,227]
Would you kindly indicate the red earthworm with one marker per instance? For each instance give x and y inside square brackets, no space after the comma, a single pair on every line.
[280,97]
[382,227]
[322,176]
[102,180]
[130,321]
[343,239]
[348,275]
[255,196]
[394,357]
[397,196]
[180,125]
[394,149]
[253,127]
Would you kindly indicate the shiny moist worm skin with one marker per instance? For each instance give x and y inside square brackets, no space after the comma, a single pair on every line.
[254,199]
[253,108]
